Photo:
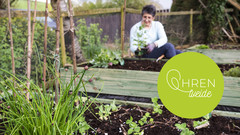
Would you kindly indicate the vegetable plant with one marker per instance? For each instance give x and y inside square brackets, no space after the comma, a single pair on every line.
[184,130]
[140,41]
[41,115]
[105,57]
[198,123]
[144,119]
[134,127]
[89,38]
[156,106]
[105,110]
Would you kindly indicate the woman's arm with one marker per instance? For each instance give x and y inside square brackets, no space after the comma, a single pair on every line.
[162,37]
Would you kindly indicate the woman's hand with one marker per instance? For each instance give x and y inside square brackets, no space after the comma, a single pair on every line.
[150,47]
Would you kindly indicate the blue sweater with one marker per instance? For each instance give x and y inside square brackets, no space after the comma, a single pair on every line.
[155,34]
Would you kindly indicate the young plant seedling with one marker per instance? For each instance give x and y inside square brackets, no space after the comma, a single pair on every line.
[144,119]
[105,110]
[141,43]
[184,130]
[133,127]
[203,123]
[156,106]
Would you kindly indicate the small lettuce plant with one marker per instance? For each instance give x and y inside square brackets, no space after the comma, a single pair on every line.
[184,130]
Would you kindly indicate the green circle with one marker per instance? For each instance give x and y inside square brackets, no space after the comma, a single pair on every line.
[190,85]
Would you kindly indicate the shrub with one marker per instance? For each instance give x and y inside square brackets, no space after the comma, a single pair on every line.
[234,72]
[19,26]
[90,38]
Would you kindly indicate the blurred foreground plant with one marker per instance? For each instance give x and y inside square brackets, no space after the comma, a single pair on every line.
[41,115]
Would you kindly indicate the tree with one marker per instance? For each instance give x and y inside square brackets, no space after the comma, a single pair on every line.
[135,4]
[67,31]
[3,3]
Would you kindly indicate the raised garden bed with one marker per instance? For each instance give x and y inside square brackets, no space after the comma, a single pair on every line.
[136,82]
[163,123]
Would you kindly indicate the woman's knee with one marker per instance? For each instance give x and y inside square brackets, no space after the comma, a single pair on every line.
[169,46]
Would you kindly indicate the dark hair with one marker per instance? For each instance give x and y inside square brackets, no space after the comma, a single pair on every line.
[149,9]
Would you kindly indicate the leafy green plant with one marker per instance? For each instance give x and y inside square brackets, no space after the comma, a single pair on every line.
[184,130]
[19,26]
[107,58]
[140,41]
[156,106]
[144,119]
[105,110]
[41,115]
[133,127]
[90,38]
[234,72]
[198,123]
[203,47]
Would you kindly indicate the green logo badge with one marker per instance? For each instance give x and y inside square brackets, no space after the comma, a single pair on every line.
[190,85]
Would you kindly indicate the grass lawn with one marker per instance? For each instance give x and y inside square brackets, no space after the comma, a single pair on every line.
[22,4]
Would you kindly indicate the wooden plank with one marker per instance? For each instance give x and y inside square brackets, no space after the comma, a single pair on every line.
[220,56]
[149,105]
[18,13]
[142,84]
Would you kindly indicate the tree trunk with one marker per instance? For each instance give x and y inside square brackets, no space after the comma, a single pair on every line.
[57,63]
[67,35]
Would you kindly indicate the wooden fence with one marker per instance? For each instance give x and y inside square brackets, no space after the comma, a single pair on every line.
[115,17]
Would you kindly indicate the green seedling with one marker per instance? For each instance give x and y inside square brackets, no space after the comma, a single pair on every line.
[134,128]
[140,41]
[144,119]
[156,106]
[184,130]
[105,110]
[198,123]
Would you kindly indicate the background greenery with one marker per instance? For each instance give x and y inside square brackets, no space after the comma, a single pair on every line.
[19,27]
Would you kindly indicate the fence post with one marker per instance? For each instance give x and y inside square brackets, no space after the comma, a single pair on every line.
[123,11]
[63,50]
[191,25]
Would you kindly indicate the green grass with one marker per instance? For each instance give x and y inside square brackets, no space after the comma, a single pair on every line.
[22,4]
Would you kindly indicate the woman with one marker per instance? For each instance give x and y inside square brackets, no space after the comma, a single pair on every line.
[151,33]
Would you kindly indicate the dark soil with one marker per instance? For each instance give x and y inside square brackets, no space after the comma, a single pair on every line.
[150,65]
[164,124]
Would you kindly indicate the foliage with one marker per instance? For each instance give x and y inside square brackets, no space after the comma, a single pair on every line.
[141,41]
[135,4]
[107,58]
[211,21]
[184,130]
[198,123]
[133,127]
[215,17]
[41,115]
[156,106]
[90,38]
[144,119]
[234,72]
[3,3]
[105,110]
[186,5]
[203,47]
[19,27]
